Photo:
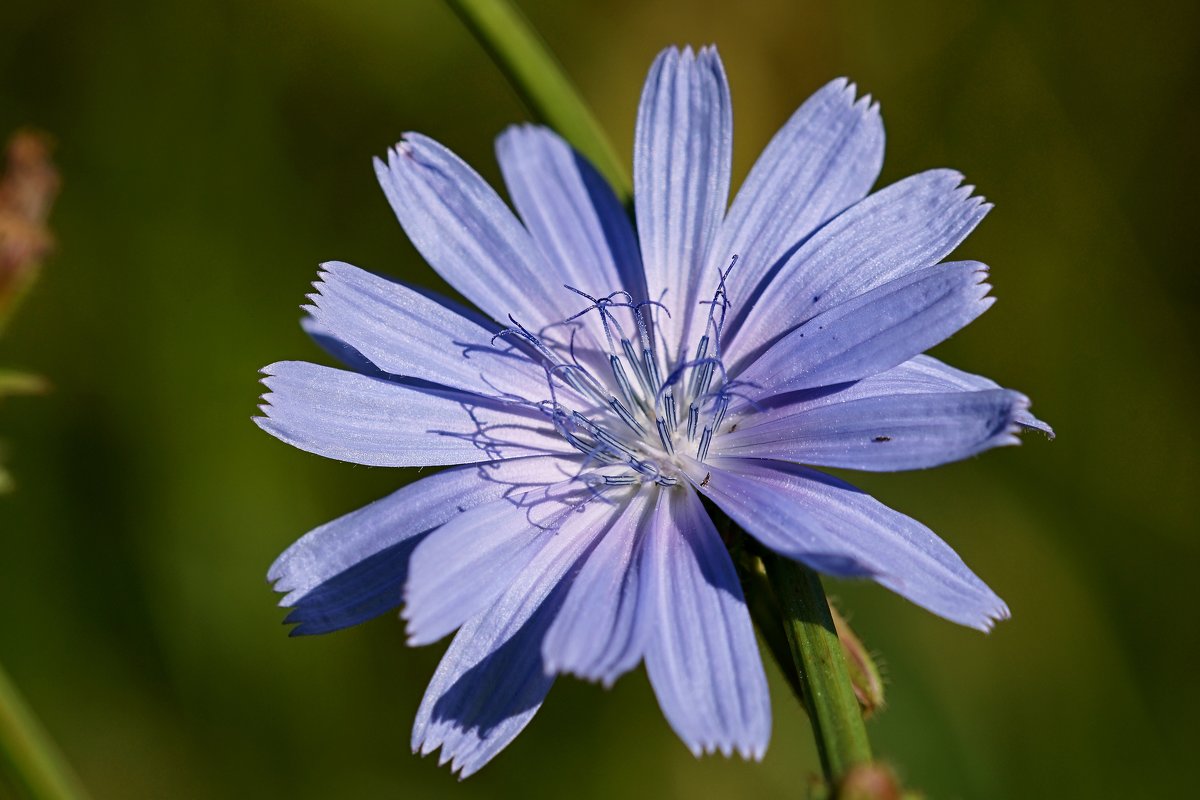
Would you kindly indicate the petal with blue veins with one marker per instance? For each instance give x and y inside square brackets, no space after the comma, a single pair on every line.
[873,332]
[835,528]
[404,332]
[701,655]
[825,158]
[572,213]
[884,433]
[354,568]
[600,632]
[910,225]
[462,567]
[926,373]
[682,157]
[377,421]
[467,233]
[491,681]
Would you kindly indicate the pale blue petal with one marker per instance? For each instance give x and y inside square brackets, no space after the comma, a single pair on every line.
[600,632]
[825,158]
[925,373]
[907,226]
[919,414]
[571,212]
[331,344]
[885,433]
[461,568]
[873,332]
[681,164]
[354,568]
[836,528]
[919,375]
[466,232]
[701,656]
[491,681]
[405,332]
[381,422]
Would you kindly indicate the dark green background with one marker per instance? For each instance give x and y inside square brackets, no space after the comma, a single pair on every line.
[215,152]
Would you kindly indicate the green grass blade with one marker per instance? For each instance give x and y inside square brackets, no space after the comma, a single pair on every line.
[542,84]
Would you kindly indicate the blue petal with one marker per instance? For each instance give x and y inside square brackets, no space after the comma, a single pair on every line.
[912,224]
[921,374]
[354,568]
[461,568]
[875,331]
[466,232]
[886,433]
[702,657]
[380,422]
[925,373]
[681,165]
[331,344]
[491,681]
[932,413]
[836,528]
[599,634]
[571,212]
[404,332]
[825,158]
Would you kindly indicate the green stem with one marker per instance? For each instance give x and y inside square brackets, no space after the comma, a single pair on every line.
[541,83]
[28,754]
[832,706]
[760,599]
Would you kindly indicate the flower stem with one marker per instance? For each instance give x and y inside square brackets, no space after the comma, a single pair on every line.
[829,696]
[543,86]
[28,754]
[764,610]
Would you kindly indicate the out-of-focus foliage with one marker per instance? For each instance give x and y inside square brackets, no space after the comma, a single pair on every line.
[217,151]
[28,186]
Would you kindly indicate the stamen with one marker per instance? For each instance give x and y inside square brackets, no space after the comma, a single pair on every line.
[639,371]
[706,369]
[660,384]
[625,416]
[620,480]
[649,358]
[520,332]
[647,468]
[603,435]
[623,380]
[669,405]
[704,377]
[652,375]
[701,351]
[579,379]
[719,415]
[665,436]
[601,306]
[705,441]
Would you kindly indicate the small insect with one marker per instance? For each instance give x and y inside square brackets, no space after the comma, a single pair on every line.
[707,478]
[882,439]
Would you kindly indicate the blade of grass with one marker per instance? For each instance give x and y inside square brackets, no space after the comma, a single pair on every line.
[27,753]
[543,86]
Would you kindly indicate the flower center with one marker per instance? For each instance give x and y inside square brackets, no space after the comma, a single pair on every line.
[635,405]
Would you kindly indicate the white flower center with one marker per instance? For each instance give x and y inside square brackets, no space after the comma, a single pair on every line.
[641,411]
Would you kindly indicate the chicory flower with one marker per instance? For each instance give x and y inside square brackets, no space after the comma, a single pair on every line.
[611,379]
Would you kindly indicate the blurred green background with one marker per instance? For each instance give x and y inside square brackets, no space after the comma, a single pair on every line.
[215,152]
